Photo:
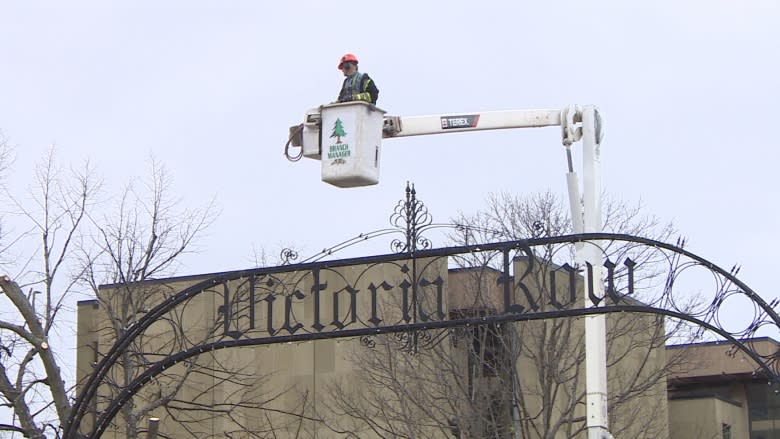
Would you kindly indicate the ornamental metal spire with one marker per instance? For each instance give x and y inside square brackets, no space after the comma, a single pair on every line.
[411,216]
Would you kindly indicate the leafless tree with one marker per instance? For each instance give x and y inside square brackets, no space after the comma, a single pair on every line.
[515,379]
[32,384]
[139,249]
[70,241]
[5,162]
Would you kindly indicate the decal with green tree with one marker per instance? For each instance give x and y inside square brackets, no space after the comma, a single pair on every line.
[338,131]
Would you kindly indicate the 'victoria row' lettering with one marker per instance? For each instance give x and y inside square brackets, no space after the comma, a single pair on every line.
[420,302]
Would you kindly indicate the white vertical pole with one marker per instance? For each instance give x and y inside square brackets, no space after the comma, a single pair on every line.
[595,326]
[154,425]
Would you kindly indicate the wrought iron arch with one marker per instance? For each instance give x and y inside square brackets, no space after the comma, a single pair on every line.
[707,318]
[116,404]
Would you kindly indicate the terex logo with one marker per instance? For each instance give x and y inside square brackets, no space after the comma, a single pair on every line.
[465,121]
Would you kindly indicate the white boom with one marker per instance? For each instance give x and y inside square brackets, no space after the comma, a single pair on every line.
[352,159]
[492,120]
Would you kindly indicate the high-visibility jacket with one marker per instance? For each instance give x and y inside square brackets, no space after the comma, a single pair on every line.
[359,87]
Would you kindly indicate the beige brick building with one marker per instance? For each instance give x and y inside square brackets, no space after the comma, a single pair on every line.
[498,380]
[719,394]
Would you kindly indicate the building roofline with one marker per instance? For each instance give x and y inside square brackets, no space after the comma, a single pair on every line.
[481,267]
[187,277]
[676,380]
[168,279]
[722,342]
[90,302]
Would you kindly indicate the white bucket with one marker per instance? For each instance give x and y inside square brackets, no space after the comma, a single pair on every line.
[351,139]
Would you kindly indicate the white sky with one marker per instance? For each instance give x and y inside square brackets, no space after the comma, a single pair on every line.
[688,91]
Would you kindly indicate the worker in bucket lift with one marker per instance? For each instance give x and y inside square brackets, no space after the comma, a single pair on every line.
[358,86]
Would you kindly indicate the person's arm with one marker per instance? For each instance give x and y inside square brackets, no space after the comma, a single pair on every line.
[370,91]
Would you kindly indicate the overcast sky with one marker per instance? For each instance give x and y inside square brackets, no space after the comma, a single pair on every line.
[688,91]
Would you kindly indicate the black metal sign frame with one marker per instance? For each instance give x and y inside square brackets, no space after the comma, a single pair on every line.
[248,297]
[358,326]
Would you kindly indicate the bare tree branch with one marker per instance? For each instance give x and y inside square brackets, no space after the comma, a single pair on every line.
[514,380]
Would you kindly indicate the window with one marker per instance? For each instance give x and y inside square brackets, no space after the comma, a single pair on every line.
[488,349]
[763,410]
[726,431]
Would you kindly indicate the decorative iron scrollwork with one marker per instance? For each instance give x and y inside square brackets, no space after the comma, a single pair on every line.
[539,229]
[672,274]
[288,256]
[673,282]
[411,216]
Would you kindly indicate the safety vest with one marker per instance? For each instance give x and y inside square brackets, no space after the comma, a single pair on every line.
[356,88]
[353,83]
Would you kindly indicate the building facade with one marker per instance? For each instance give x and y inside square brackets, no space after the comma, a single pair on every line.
[719,392]
[493,380]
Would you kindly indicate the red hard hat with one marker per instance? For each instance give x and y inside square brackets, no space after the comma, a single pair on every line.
[347,58]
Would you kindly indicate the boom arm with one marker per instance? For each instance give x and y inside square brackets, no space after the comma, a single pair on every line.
[309,134]
[346,138]
[400,126]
